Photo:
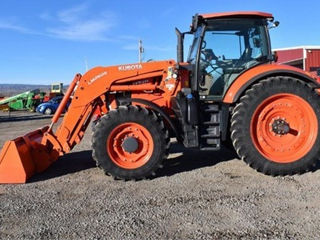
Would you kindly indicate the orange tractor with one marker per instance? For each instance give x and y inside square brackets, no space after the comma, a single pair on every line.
[227,90]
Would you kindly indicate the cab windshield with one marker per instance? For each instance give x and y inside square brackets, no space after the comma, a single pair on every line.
[238,39]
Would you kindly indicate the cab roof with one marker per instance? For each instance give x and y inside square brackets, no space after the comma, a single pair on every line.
[237,14]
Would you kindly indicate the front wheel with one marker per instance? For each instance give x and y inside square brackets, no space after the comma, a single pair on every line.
[130,143]
[275,127]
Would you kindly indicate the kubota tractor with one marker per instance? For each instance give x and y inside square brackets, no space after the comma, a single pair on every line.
[227,90]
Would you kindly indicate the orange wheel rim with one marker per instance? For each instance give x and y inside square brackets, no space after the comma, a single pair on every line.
[134,154]
[284,128]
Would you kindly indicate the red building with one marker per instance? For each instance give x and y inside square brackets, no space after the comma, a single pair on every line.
[304,57]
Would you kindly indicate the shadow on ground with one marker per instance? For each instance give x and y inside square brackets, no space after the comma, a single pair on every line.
[69,163]
[181,160]
[185,160]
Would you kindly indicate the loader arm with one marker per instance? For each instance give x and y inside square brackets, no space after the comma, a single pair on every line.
[89,94]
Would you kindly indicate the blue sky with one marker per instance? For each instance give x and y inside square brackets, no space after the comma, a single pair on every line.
[49,41]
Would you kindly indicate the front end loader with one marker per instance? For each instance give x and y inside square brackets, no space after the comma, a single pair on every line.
[227,90]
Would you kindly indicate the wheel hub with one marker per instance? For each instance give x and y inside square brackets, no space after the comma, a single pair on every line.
[280,127]
[130,144]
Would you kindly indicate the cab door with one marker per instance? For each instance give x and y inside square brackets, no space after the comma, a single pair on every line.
[221,51]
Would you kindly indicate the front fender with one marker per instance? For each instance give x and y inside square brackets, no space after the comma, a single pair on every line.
[254,74]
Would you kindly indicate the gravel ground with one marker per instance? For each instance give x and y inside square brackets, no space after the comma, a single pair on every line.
[198,195]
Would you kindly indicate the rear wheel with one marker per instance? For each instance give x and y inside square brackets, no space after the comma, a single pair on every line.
[275,126]
[130,143]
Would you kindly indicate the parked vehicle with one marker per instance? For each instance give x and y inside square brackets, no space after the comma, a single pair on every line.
[49,107]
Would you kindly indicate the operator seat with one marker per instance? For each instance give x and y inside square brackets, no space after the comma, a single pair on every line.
[246,55]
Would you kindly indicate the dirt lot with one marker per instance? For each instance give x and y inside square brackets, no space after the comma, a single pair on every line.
[198,195]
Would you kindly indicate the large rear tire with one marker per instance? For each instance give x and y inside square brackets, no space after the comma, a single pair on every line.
[130,143]
[275,127]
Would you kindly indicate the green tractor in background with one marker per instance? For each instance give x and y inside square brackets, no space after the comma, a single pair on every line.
[28,100]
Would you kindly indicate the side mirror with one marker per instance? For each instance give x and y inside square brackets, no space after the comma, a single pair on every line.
[273,24]
[275,56]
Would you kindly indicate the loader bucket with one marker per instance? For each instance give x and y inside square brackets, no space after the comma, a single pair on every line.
[24,156]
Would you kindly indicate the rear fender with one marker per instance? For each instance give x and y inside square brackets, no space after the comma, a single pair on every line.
[248,78]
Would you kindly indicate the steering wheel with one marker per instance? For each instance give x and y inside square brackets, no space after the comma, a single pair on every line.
[207,56]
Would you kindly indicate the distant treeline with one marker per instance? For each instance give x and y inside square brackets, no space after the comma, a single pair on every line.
[8,90]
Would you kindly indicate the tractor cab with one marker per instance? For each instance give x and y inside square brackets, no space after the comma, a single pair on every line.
[224,46]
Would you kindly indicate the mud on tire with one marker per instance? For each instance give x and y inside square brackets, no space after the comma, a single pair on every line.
[153,138]
[275,127]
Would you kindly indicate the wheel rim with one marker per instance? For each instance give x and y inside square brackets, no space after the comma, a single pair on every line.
[118,152]
[284,128]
